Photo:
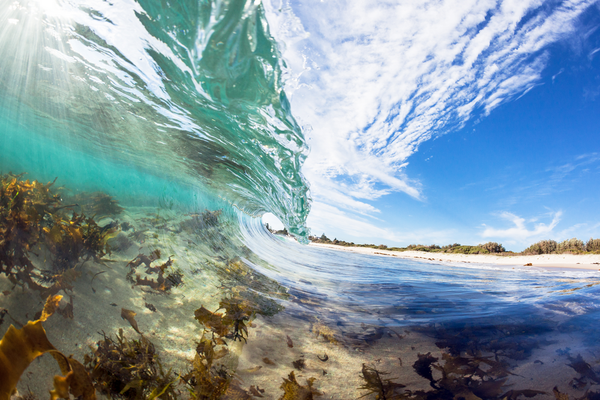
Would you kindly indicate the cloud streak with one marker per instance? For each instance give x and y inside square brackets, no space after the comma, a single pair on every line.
[376,80]
[520,231]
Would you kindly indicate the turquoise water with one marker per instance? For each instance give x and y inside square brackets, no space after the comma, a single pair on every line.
[186,92]
[176,110]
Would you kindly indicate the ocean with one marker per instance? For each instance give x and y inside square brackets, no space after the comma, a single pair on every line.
[158,133]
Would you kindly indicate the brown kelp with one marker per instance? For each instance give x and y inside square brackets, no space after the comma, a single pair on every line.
[589,395]
[34,225]
[130,369]
[19,347]
[166,276]
[584,369]
[230,324]
[129,316]
[467,377]
[74,238]
[246,283]
[209,381]
[376,384]
[98,204]
[25,207]
[513,341]
[292,390]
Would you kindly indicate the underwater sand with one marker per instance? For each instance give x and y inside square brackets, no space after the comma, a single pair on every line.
[101,292]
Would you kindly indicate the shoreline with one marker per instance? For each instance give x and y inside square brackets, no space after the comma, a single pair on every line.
[571,261]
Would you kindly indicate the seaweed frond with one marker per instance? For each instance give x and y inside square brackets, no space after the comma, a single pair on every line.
[19,347]
[292,390]
[230,324]
[167,277]
[209,381]
[384,389]
[98,203]
[32,218]
[129,369]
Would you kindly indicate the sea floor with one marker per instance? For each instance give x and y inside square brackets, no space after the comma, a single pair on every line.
[338,360]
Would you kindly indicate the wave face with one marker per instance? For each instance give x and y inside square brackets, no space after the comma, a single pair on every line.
[176,110]
[187,91]
[397,292]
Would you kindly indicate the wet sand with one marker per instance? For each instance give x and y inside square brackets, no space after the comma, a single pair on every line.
[577,261]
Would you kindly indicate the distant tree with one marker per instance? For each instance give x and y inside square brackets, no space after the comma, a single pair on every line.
[492,247]
[593,245]
[542,247]
[573,245]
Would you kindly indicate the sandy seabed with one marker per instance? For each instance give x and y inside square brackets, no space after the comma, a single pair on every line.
[266,358]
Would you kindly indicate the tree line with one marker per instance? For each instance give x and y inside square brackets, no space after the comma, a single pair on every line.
[569,246]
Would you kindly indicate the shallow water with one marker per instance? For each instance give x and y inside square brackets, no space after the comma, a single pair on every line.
[408,291]
[177,112]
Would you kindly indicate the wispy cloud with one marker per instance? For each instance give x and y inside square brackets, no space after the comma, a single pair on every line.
[522,229]
[377,79]
[326,218]
[549,181]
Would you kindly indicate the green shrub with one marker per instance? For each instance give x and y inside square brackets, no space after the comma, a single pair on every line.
[464,249]
[492,247]
[573,245]
[593,246]
[542,247]
[422,247]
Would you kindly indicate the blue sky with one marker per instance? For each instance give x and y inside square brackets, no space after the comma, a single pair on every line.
[447,121]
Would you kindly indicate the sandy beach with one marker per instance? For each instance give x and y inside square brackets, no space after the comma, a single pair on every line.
[577,261]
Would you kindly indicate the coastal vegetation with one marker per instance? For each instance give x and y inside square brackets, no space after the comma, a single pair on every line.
[569,246]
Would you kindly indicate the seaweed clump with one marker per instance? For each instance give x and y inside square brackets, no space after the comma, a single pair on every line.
[208,380]
[512,341]
[231,324]
[461,377]
[292,390]
[376,384]
[200,221]
[164,281]
[33,218]
[73,238]
[129,369]
[24,208]
[238,277]
[99,204]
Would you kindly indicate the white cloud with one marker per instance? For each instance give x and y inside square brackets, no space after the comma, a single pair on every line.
[377,79]
[520,230]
